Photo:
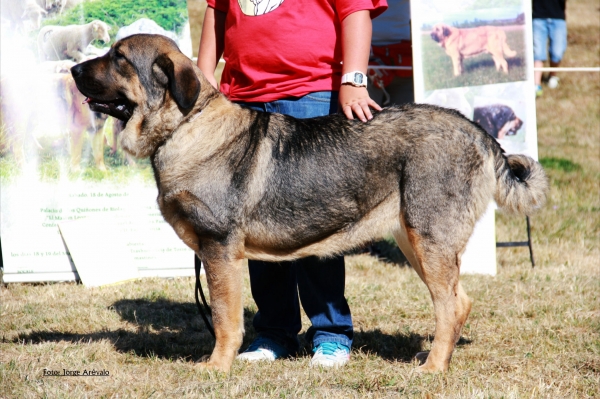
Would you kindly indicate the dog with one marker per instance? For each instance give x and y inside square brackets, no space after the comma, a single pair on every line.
[236,183]
[498,120]
[463,43]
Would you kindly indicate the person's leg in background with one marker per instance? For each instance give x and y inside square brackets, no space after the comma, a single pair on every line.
[557,33]
[540,40]
[321,284]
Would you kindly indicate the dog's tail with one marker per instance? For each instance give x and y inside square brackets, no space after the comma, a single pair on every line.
[507,51]
[522,184]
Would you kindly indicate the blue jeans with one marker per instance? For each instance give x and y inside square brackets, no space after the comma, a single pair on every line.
[320,282]
[554,30]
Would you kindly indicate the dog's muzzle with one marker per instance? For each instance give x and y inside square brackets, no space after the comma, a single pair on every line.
[119,108]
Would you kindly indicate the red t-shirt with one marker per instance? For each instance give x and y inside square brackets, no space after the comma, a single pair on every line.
[280,49]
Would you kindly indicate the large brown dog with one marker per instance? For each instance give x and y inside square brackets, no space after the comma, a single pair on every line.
[236,183]
[463,43]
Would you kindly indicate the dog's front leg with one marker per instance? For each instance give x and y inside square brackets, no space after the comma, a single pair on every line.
[457,64]
[224,276]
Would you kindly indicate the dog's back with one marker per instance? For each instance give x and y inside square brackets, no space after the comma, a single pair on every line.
[333,172]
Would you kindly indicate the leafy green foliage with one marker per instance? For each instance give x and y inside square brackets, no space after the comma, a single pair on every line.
[169,14]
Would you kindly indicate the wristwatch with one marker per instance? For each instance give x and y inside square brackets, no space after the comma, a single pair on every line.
[356,79]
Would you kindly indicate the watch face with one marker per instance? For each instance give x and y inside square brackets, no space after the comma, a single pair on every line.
[358,78]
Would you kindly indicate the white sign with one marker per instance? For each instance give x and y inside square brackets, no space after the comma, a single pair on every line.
[60,162]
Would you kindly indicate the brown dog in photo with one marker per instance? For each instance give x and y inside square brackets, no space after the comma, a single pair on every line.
[463,43]
[236,183]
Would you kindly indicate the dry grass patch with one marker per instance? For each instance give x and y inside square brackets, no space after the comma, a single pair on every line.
[533,333]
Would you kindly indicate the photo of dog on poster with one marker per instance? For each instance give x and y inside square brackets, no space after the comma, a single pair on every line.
[472,46]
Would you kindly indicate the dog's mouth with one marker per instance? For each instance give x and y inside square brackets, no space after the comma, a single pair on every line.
[119,108]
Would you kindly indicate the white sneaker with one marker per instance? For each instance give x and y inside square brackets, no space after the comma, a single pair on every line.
[330,354]
[553,82]
[263,349]
[257,355]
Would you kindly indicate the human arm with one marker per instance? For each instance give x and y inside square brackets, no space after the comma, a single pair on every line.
[212,43]
[356,44]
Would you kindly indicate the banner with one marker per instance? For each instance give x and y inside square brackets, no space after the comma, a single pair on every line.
[476,56]
[60,162]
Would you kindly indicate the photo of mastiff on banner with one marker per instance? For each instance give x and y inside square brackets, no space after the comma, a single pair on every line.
[472,47]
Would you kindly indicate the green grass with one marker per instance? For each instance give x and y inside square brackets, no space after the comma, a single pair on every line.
[478,70]
[169,14]
[52,167]
[560,164]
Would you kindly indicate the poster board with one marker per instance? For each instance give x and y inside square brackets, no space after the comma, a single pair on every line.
[59,162]
[496,91]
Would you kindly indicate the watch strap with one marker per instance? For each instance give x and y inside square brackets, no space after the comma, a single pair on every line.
[355,78]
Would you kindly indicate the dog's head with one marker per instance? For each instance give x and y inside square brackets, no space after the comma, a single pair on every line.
[440,32]
[510,128]
[145,81]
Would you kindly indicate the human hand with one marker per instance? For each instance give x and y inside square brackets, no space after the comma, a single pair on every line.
[356,101]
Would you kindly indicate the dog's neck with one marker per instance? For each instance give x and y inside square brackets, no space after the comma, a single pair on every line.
[143,136]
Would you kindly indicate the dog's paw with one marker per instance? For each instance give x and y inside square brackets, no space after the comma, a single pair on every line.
[208,365]
[428,366]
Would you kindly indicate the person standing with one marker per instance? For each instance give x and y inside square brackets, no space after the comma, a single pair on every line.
[303,59]
[549,36]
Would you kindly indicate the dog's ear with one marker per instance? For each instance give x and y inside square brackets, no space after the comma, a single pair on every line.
[447,31]
[184,85]
[506,114]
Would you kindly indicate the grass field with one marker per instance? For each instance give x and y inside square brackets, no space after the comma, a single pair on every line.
[532,333]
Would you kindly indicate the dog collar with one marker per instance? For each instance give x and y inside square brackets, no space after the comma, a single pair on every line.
[356,79]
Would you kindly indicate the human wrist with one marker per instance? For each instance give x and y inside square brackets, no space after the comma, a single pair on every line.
[354,78]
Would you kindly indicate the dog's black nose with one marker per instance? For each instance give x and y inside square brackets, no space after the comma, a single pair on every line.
[76,71]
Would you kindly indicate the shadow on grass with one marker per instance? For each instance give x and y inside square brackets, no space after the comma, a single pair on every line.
[516,66]
[162,329]
[401,347]
[174,330]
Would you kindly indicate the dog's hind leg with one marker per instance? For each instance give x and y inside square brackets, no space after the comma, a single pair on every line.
[501,63]
[439,268]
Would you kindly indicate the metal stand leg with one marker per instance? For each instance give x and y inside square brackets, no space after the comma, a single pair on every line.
[527,243]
